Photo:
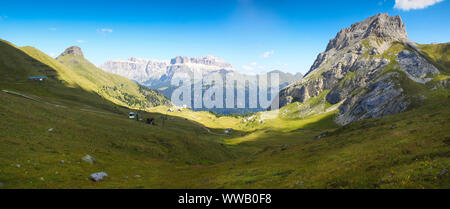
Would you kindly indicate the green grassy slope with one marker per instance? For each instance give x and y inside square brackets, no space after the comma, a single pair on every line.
[83,123]
[115,88]
[439,54]
[408,150]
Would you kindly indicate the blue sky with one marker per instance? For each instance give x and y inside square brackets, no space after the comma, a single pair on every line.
[252,35]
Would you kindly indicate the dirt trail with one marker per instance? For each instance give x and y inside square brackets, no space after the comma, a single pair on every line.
[37,99]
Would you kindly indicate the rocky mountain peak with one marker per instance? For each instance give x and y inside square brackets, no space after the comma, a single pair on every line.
[350,72]
[211,60]
[206,60]
[73,50]
[179,60]
[381,26]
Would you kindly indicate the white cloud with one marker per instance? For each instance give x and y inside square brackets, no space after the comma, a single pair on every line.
[52,54]
[414,4]
[52,29]
[246,67]
[104,30]
[380,3]
[254,63]
[268,54]
[81,41]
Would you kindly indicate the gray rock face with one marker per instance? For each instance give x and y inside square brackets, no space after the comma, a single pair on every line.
[73,50]
[98,176]
[380,25]
[381,98]
[347,54]
[415,66]
[354,60]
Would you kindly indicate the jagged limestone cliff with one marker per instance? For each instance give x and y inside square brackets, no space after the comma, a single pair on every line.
[361,69]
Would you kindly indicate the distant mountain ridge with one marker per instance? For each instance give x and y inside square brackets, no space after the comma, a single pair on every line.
[158,74]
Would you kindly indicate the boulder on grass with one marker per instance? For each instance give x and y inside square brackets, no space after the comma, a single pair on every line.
[98,176]
[89,159]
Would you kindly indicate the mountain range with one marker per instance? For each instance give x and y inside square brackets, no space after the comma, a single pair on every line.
[157,74]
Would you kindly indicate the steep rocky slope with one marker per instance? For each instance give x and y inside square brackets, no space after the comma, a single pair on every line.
[370,68]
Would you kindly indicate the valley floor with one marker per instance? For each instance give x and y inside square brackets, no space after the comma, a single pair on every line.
[44,138]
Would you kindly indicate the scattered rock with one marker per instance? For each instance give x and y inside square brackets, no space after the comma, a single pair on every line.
[443,172]
[62,161]
[126,177]
[1,184]
[393,127]
[299,183]
[98,176]
[321,136]
[89,159]
[228,131]
[42,179]
[137,176]
[18,165]
[50,129]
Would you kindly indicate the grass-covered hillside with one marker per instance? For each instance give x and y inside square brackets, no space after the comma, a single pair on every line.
[118,89]
[439,53]
[77,72]
[47,127]
[47,120]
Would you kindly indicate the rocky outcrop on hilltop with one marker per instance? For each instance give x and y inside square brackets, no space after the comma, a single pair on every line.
[353,70]
[73,50]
